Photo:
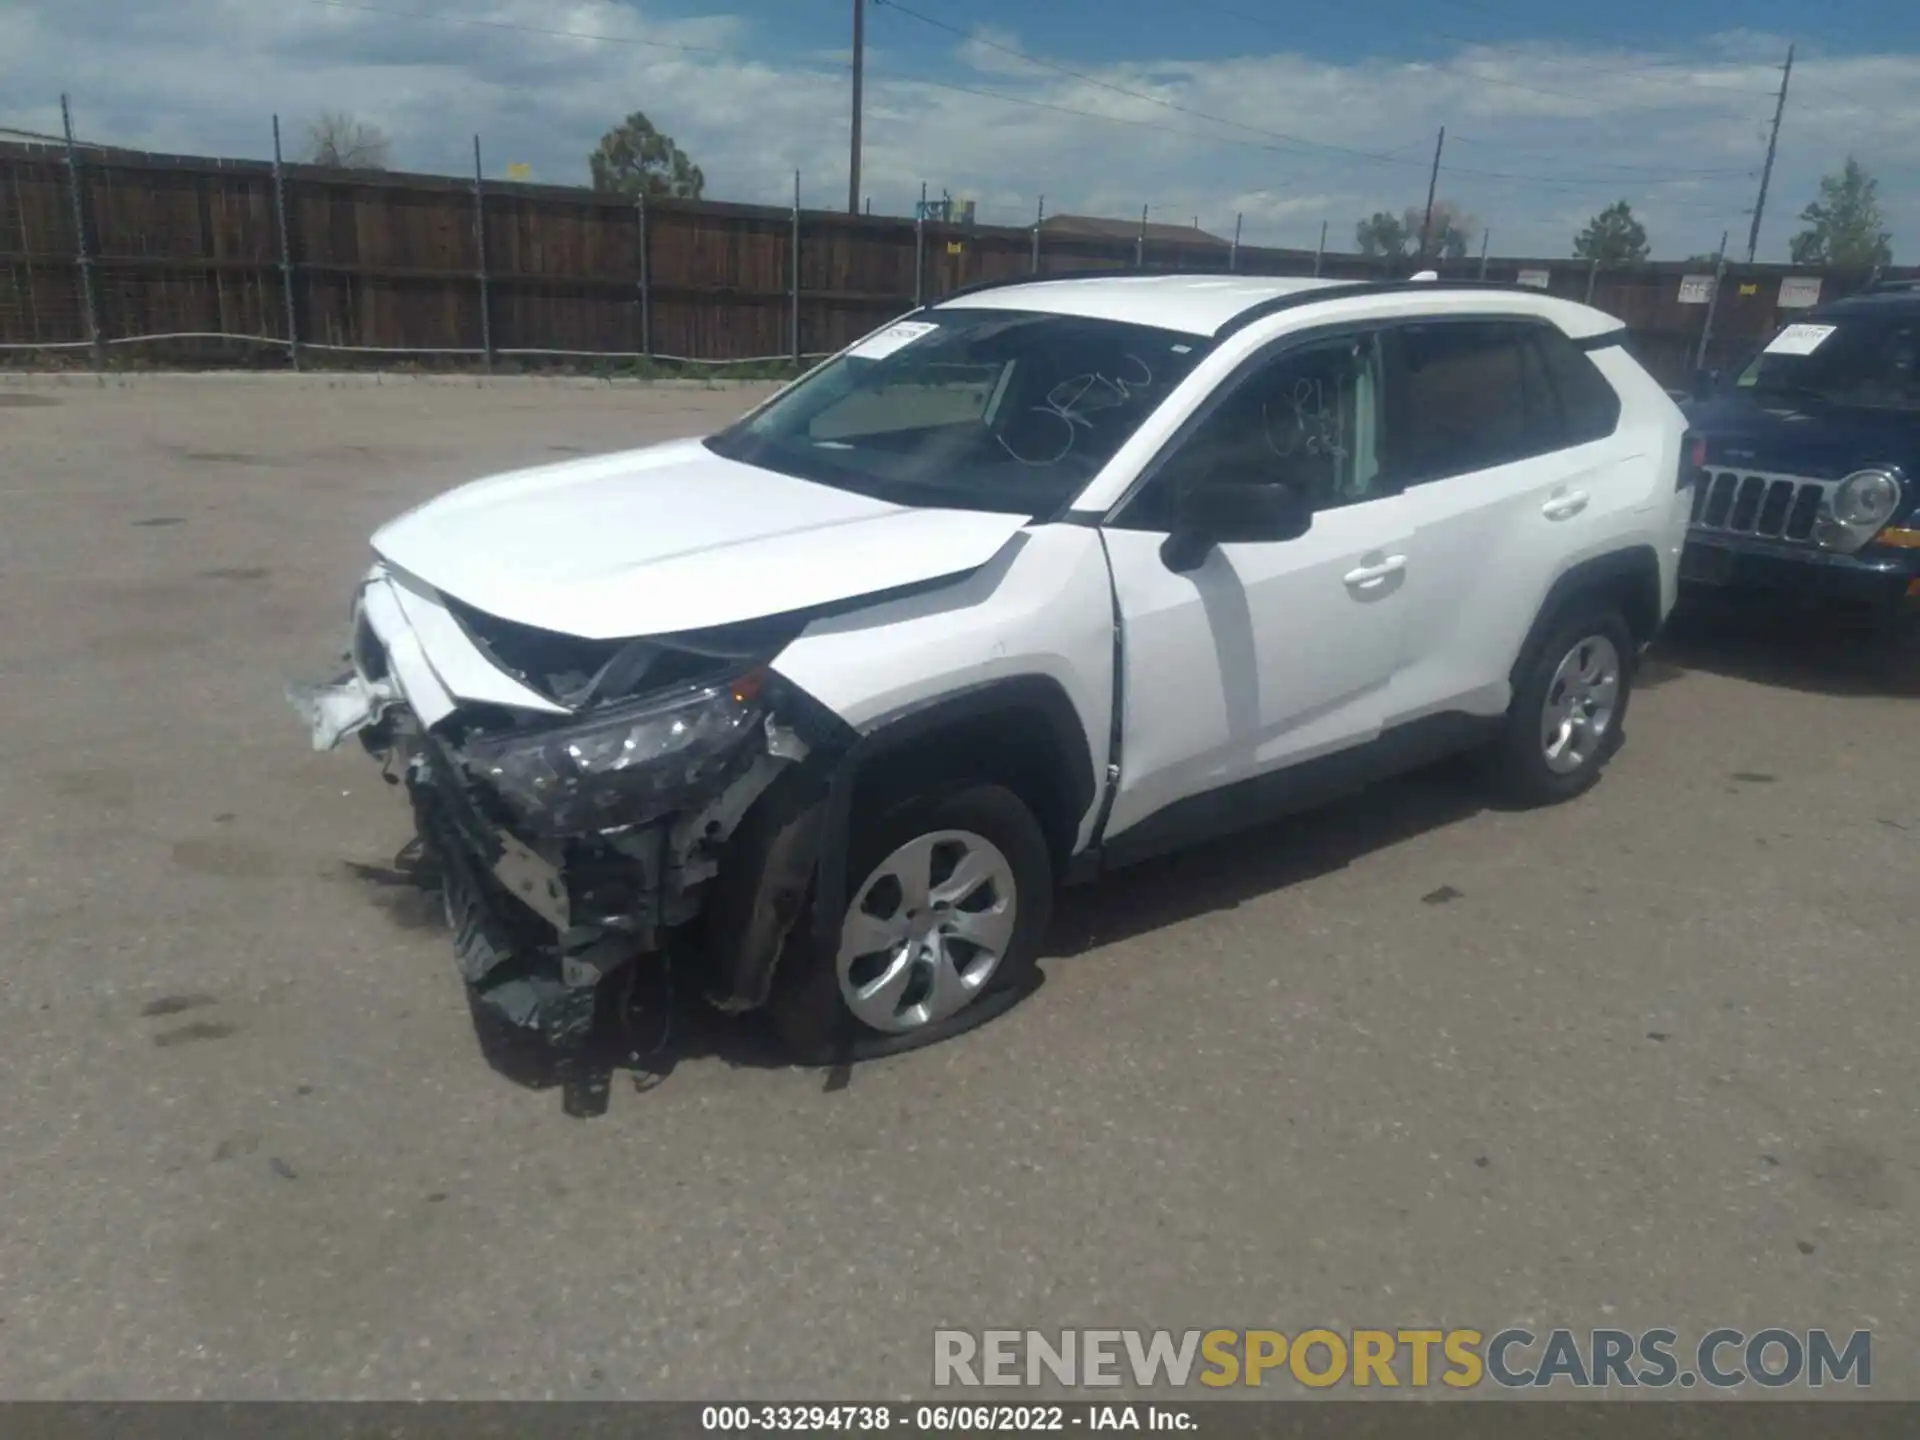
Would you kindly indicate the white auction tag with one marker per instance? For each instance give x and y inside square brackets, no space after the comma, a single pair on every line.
[1799,291]
[883,343]
[1799,339]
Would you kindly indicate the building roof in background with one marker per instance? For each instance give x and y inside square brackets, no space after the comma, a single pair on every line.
[1095,227]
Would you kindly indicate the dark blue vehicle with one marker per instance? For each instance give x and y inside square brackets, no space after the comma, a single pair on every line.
[1807,462]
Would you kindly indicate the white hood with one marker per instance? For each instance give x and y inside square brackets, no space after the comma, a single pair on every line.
[670,538]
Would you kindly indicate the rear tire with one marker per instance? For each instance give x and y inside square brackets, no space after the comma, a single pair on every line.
[1569,708]
[949,894]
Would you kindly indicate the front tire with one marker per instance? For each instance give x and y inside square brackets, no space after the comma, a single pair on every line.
[949,895]
[1569,707]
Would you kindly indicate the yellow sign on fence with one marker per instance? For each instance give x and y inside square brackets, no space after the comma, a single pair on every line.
[518,171]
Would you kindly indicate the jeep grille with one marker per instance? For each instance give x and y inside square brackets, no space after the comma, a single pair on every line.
[1768,507]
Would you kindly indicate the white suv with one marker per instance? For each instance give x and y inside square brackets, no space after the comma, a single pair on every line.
[1045,579]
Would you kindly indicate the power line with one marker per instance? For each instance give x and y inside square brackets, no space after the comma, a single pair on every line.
[1375,156]
[1744,172]
[445,19]
[1567,184]
[1094,80]
[1638,72]
[1519,85]
[1873,49]
[1290,144]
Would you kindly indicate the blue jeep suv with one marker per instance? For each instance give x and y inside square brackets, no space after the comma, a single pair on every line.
[1807,462]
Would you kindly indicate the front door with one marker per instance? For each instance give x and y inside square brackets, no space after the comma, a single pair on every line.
[1267,654]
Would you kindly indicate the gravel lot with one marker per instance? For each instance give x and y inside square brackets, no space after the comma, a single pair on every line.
[1645,1059]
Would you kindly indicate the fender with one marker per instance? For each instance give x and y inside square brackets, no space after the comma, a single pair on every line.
[800,828]
[1038,694]
[1632,572]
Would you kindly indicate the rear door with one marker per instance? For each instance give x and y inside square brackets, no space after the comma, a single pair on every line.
[1497,435]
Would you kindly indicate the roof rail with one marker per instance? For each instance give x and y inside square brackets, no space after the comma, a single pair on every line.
[1355,288]
[1332,290]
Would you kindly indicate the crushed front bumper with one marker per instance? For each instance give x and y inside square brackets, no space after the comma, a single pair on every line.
[539,918]
[525,962]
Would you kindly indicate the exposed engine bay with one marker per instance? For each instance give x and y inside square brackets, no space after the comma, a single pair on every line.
[571,840]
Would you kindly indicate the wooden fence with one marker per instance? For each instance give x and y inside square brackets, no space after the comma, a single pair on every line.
[168,259]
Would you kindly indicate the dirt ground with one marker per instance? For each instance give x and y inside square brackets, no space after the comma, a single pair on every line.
[1647,1059]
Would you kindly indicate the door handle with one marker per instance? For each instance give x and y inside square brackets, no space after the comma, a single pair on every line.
[1368,576]
[1565,507]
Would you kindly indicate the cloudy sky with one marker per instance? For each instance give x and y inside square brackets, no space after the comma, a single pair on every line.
[1288,116]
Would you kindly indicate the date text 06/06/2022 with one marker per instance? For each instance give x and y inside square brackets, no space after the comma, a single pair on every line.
[940,1418]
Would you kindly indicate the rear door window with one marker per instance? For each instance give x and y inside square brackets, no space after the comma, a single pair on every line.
[1474,394]
[1460,400]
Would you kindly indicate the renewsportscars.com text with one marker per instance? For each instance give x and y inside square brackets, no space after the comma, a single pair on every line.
[1514,1358]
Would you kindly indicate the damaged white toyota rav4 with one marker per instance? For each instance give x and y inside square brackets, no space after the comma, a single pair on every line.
[1048,578]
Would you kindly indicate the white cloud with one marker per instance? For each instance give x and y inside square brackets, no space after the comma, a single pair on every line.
[1540,134]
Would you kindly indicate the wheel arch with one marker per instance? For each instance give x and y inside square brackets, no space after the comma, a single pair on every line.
[1628,578]
[1021,731]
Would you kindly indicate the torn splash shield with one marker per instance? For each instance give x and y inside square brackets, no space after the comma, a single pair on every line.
[518,972]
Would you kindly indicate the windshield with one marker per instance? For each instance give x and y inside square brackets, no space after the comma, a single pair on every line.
[1854,361]
[1001,410]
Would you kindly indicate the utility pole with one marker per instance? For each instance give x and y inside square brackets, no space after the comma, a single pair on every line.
[1433,181]
[1713,303]
[859,64]
[1766,170]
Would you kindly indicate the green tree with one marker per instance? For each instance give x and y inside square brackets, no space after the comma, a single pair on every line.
[1613,237]
[1381,234]
[634,159]
[1844,224]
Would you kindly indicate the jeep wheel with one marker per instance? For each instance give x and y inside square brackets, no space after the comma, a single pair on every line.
[1569,706]
[949,896]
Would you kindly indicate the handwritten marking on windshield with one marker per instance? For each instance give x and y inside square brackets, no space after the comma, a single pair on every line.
[1072,401]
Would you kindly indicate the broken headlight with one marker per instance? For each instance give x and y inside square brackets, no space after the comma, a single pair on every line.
[628,763]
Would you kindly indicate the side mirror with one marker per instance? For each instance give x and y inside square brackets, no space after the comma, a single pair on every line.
[1228,512]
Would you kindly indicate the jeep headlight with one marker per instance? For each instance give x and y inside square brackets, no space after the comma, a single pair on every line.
[628,763]
[1860,506]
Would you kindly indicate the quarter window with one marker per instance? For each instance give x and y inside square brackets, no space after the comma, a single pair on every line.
[1590,406]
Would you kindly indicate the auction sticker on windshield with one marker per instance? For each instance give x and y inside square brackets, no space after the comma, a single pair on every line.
[1799,339]
[895,337]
